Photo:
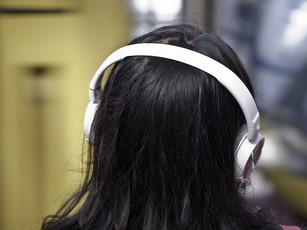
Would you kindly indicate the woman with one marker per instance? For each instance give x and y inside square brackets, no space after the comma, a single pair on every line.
[163,140]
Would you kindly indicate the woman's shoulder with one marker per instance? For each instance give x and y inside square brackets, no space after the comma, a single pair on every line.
[284,227]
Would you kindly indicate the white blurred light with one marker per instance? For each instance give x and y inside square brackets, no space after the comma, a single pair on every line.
[162,9]
[293,35]
[143,6]
[299,17]
[304,6]
[166,9]
[296,31]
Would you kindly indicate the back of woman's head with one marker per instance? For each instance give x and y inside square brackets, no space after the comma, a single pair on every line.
[165,137]
[165,134]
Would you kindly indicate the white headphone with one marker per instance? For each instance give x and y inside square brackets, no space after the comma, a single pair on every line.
[245,151]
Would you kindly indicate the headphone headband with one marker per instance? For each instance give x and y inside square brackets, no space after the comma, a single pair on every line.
[224,75]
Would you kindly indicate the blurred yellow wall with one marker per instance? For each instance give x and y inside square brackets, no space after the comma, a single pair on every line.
[46,62]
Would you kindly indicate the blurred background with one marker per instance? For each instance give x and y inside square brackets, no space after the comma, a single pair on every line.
[49,50]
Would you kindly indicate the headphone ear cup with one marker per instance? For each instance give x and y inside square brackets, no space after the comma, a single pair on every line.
[247,155]
[88,120]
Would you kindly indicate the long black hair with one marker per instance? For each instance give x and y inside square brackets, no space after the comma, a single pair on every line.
[164,141]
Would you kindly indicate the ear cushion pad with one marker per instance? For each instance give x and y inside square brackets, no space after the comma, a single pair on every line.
[88,120]
[244,151]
